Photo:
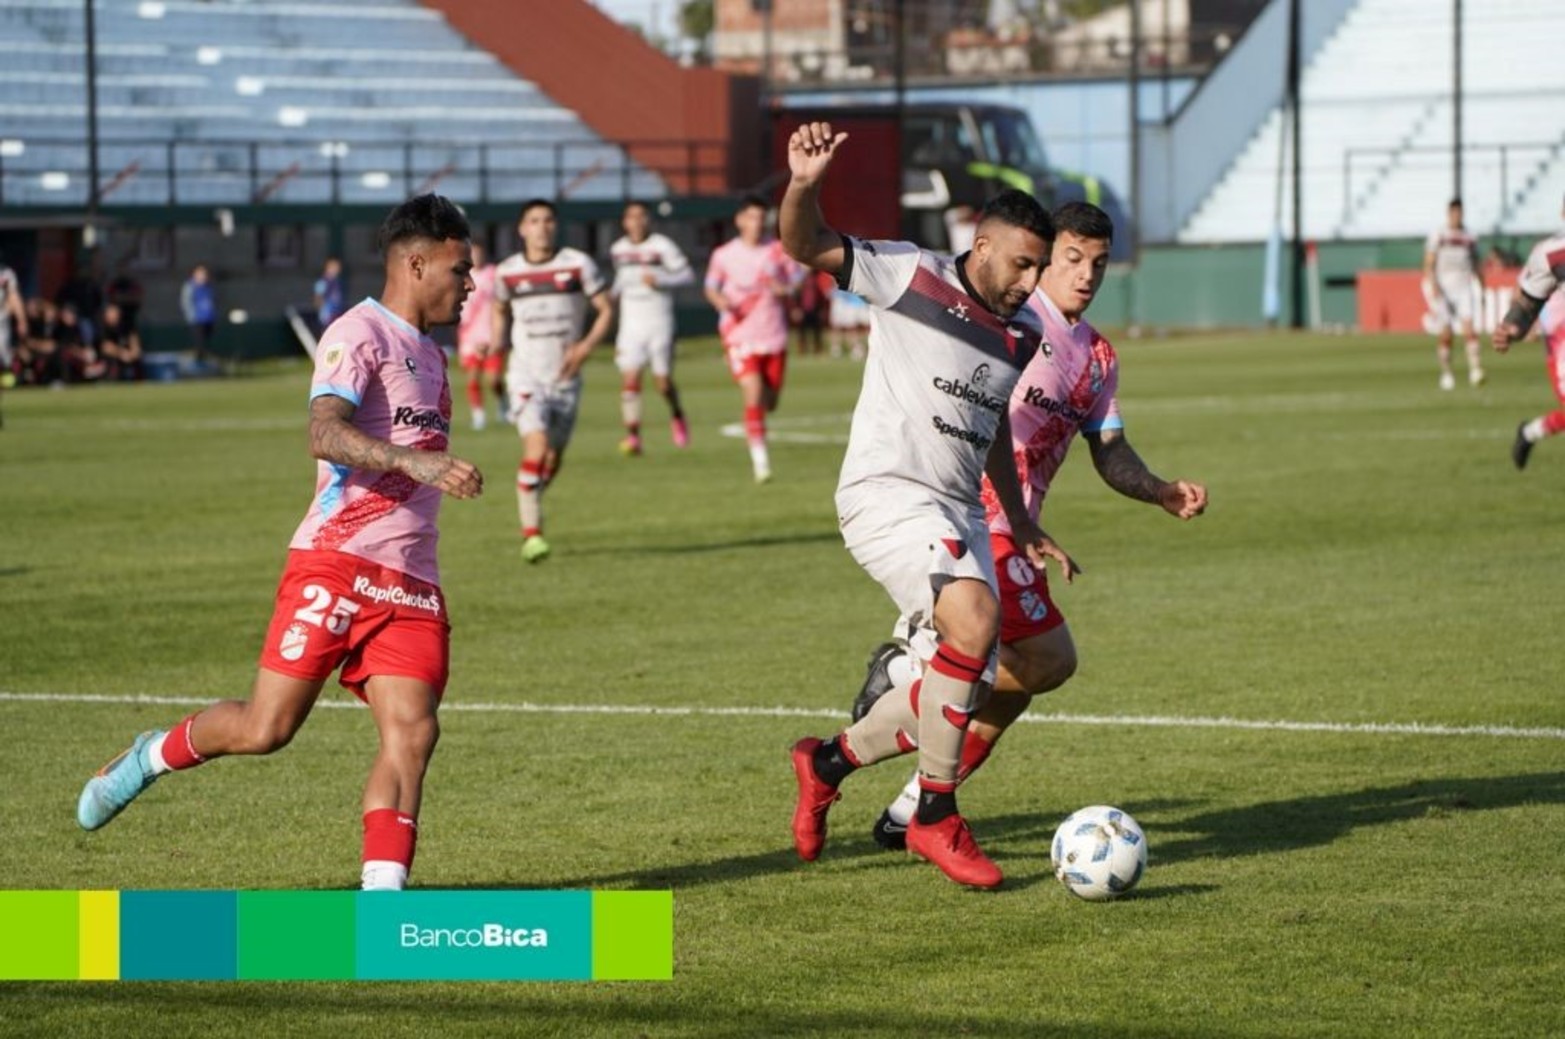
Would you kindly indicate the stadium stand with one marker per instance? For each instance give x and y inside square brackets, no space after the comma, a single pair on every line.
[231,101]
[1377,129]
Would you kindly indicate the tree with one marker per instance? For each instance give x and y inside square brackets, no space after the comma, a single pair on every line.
[696,22]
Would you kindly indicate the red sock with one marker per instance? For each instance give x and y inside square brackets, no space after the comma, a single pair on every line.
[390,836]
[475,395]
[529,475]
[1554,423]
[755,423]
[178,751]
[975,751]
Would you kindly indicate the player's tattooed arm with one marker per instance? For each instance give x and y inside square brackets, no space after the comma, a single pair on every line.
[334,438]
[1004,479]
[1518,319]
[1122,469]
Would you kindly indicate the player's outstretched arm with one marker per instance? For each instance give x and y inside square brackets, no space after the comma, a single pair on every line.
[334,438]
[1122,469]
[804,232]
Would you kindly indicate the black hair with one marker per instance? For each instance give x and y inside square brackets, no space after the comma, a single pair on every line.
[1084,220]
[636,203]
[1019,209]
[1456,203]
[432,217]
[750,201]
[538,203]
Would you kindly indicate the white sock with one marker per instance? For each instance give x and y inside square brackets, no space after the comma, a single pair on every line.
[759,459]
[1533,431]
[155,755]
[630,407]
[479,418]
[901,810]
[380,875]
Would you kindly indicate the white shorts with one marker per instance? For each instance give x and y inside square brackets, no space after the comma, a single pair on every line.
[645,344]
[1450,304]
[550,410]
[913,543]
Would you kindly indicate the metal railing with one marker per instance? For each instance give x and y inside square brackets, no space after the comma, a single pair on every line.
[1494,170]
[317,170]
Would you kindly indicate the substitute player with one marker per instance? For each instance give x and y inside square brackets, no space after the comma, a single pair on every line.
[544,294]
[948,340]
[1451,289]
[1068,389]
[361,590]
[748,281]
[648,266]
[1540,279]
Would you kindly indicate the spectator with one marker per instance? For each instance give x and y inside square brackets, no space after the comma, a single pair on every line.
[38,359]
[126,293]
[198,300]
[119,345]
[13,323]
[83,295]
[330,294]
[78,359]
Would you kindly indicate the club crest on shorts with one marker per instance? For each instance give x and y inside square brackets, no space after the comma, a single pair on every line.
[956,546]
[1020,571]
[293,642]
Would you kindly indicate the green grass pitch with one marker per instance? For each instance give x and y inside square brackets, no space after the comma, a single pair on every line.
[1370,555]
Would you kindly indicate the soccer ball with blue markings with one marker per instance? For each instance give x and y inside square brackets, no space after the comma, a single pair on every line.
[1099,853]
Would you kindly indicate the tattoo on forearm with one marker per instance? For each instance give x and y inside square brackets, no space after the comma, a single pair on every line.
[1123,470]
[1524,311]
[334,439]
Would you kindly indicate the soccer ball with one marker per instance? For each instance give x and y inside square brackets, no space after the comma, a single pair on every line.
[1098,853]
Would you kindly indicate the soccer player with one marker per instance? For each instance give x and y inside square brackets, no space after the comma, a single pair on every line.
[361,590]
[1450,277]
[748,281]
[1539,279]
[479,355]
[949,339]
[1068,389]
[647,268]
[544,293]
[11,310]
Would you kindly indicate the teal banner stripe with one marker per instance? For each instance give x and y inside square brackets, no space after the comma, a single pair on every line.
[475,935]
[178,935]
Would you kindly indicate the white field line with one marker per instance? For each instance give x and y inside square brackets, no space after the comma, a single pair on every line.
[787,429]
[650,710]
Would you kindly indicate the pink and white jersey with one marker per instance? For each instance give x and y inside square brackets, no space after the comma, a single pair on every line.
[477,327]
[747,276]
[396,379]
[1067,388]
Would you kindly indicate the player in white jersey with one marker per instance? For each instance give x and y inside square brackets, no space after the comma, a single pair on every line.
[1451,288]
[647,268]
[546,294]
[948,340]
[1537,292]
[1068,390]
[11,310]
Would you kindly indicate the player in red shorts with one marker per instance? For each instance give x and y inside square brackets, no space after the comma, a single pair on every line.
[476,350]
[1068,389]
[1537,293]
[749,280]
[361,590]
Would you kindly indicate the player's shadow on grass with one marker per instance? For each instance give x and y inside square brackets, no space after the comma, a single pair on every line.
[1287,825]
[699,547]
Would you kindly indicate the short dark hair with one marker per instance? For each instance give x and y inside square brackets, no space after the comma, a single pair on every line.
[1084,220]
[433,217]
[1018,209]
[636,203]
[538,203]
[1455,203]
[750,202]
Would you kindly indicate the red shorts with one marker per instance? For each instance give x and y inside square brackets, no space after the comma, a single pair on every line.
[770,367]
[490,364]
[1025,607]
[335,610]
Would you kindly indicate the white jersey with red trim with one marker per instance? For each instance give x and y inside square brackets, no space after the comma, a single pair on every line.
[655,255]
[1456,256]
[1544,270]
[941,368]
[1068,388]
[549,311]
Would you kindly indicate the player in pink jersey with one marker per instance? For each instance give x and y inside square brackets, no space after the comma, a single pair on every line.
[481,358]
[361,589]
[1068,389]
[748,281]
[1537,286]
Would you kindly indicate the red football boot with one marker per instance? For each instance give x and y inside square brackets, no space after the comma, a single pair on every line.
[815,800]
[950,846]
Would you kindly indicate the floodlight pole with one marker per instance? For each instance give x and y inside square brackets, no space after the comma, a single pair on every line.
[92,124]
[1456,100]
[1295,44]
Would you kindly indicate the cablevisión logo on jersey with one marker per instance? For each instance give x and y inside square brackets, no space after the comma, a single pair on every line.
[971,390]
